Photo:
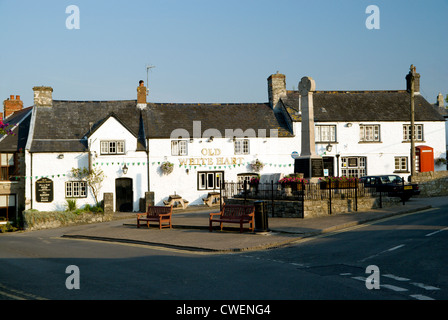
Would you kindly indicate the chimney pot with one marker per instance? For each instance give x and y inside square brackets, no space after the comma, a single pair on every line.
[11,97]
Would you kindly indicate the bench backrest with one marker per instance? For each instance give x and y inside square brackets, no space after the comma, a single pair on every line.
[236,211]
[154,211]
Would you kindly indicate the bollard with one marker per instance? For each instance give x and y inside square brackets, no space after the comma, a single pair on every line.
[261,217]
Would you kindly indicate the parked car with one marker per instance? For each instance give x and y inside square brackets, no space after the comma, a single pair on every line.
[393,185]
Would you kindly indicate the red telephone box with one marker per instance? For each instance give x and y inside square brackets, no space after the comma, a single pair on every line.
[425,158]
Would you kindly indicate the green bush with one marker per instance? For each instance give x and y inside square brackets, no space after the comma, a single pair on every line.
[71,204]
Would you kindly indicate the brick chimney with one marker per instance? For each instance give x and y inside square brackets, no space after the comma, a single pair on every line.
[12,105]
[276,88]
[141,95]
[43,96]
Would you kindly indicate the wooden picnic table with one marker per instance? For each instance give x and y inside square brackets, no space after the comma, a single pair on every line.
[176,201]
[212,199]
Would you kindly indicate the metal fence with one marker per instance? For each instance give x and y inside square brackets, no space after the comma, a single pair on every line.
[299,192]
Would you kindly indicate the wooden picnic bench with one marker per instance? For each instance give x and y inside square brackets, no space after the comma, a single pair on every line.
[213,198]
[234,214]
[176,201]
[156,213]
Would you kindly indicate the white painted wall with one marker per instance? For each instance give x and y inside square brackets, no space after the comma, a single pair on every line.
[274,152]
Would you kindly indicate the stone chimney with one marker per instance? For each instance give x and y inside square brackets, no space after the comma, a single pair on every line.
[276,88]
[12,105]
[43,96]
[440,101]
[141,95]
[416,81]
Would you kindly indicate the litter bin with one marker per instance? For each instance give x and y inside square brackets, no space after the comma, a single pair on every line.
[261,217]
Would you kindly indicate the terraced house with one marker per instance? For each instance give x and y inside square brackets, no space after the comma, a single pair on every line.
[160,151]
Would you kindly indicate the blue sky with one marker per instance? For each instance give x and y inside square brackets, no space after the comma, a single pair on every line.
[218,51]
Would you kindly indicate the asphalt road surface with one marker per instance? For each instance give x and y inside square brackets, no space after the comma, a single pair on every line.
[407,257]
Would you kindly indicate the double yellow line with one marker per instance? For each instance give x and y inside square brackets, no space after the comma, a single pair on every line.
[17,294]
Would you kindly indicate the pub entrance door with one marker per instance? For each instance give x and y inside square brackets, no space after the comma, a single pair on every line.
[124,195]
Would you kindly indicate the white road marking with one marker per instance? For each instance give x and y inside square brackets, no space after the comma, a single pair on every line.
[435,232]
[420,297]
[394,288]
[395,248]
[424,286]
[388,250]
[391,276]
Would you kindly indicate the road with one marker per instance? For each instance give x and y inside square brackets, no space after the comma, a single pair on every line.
[409,252]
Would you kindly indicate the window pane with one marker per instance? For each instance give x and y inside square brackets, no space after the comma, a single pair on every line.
[3,201]
[183,148]
[104,147]
[120,147]
[202,182]
[210,180]
[237,144]
[112,147]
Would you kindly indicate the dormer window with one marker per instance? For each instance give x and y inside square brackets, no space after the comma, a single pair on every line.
[112,147]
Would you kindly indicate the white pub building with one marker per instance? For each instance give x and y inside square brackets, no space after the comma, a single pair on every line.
[165,149]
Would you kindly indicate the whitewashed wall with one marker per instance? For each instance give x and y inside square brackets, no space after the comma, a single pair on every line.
[275,153]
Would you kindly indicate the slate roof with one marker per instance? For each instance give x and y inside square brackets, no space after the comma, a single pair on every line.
[20,119]
[340,106]
[65,126]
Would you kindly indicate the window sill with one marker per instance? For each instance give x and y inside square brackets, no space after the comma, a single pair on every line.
[402,171]
[416,141]
[367,142]
[327,142]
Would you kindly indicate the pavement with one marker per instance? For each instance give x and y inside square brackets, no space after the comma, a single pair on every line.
[190,229]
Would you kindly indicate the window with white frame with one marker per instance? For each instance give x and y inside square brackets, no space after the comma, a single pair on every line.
[369,133]
[354,166]
[418,132]
[325,133]
[241,146]
[8,166]
[210,180]
[76,189]
[179,147]
[401,164]
[112,147]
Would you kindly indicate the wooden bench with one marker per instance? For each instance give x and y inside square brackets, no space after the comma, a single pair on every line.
[176,201]
[213,198]
[156,213]
[234,214]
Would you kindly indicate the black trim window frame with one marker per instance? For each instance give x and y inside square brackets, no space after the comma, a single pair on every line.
[210,180]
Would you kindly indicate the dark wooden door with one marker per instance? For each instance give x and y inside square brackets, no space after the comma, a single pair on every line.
[124,195]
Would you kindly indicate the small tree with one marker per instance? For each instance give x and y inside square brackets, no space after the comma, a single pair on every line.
[94,179]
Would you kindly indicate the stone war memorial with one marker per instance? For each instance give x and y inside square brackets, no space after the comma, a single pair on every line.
[308,163]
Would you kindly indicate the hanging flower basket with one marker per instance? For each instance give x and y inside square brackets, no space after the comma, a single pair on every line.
[257,165]
[167,167]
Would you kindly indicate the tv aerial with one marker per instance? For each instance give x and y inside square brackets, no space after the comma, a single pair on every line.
[148,68]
